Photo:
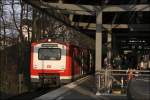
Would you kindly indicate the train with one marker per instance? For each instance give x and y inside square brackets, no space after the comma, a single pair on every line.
[54,63]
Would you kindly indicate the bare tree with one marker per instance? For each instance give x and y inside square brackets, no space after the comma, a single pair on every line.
[3,27]
[18,27]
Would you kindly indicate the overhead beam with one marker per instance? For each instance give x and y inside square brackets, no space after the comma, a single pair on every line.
[121,8]
[54,13]
[65,11]
[135,27]
[112,8]
[107,8]
[110,26]
[73,7]
[93,25]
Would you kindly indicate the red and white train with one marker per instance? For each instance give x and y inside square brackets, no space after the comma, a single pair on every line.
[55,62]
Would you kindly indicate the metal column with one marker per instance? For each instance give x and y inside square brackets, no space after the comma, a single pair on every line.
[98,62]
[109,46]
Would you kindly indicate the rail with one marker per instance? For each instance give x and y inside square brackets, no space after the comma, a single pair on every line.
[110,80]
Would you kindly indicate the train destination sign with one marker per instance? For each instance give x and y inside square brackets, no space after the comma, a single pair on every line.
[49,45]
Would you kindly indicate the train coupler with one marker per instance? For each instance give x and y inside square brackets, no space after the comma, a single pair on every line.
[49,79]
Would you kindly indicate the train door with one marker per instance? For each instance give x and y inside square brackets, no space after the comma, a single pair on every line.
[82,63]
[90,61]
[73,65]
[76,63]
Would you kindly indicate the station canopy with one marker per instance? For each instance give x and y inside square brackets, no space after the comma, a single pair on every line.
[122,16]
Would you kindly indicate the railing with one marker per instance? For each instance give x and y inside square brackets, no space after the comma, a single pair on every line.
[109,80]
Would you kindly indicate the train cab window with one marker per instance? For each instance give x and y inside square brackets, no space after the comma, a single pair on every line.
[49,54]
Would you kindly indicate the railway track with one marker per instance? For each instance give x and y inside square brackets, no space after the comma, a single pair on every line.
[31,95]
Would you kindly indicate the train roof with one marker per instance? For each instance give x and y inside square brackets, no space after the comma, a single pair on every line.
[60,42]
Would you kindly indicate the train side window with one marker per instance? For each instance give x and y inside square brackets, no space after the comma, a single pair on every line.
[49,54]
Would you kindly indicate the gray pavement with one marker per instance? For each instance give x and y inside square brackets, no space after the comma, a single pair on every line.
[74,95]
[81,90]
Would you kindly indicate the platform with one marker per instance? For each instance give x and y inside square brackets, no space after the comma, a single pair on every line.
[82,89]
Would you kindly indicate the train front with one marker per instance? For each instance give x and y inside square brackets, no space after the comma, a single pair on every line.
[48,64]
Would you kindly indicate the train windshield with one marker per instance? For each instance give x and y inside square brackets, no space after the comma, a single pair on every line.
[49,54]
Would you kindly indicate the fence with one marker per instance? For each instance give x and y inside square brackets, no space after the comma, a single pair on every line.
[116,81]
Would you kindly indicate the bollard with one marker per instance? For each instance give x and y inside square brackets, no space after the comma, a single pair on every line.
[121,82]
[98,83]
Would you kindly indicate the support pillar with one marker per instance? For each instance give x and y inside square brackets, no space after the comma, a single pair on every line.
[98,63]
[109,46]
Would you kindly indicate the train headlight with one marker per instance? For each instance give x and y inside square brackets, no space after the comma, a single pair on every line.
[49,40]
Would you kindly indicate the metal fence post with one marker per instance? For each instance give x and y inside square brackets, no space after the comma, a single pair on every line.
[20,83]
